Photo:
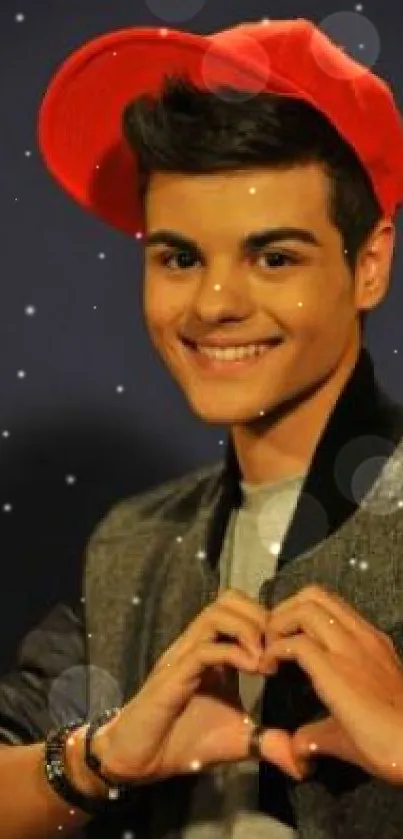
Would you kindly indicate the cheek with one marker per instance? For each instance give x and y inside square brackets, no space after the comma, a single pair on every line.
[308,313]
[155,307]
[162,303]
[161,320]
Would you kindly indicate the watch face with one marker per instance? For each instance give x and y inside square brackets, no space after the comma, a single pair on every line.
[56,775]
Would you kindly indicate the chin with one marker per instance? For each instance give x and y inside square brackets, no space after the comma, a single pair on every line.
[225,416]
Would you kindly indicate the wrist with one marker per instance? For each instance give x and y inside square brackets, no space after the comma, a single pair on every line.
[103,748]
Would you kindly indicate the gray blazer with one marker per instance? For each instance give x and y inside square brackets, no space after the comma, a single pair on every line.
[151,567]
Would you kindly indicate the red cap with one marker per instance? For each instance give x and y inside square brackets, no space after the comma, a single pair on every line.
[80,133]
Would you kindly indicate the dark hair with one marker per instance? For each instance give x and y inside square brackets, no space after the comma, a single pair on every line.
[186,129]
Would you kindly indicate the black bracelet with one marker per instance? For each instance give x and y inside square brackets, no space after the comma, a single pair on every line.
[116,791]
[55,770]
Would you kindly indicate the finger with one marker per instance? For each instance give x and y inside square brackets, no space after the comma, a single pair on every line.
[325,737]
[243,604]
[338,608]
[318,623]
[276,748]
[215,621]
[191,663]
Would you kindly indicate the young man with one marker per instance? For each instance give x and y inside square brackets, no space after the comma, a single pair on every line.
[263,177]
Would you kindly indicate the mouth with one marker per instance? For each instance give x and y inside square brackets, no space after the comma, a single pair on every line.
[224,366]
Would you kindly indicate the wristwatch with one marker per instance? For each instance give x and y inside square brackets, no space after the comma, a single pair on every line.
[119,795]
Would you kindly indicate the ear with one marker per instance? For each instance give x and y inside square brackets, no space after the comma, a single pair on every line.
[374,266]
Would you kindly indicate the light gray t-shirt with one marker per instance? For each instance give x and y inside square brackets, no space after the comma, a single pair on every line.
[225,801]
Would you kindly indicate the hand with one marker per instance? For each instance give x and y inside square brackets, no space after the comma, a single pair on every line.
[356,673]
[188,714]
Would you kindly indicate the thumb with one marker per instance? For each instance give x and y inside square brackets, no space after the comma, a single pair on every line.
[276,748]
[325,737]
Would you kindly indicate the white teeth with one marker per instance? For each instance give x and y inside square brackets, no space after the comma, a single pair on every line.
[233,353]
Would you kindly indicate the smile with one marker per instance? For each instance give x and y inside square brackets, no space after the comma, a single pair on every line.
[228,360]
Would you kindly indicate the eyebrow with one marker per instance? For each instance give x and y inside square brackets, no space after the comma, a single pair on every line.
[253,242]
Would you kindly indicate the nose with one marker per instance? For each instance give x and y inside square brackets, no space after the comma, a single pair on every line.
[222,294]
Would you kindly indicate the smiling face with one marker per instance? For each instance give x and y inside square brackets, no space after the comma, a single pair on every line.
[214,288]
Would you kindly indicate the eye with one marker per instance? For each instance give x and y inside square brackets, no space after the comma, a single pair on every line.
[166,257]
[277,256]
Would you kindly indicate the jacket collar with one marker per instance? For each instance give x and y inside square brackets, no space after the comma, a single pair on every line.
[362,431]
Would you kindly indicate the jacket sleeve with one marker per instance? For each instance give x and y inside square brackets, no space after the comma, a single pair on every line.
[48,685]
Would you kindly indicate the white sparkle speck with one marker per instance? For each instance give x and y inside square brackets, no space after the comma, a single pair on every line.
[353,561]
[136,600]
[163,33]
[28,153]
[82,599]
[113,793]
[395,351]
[201,555]
[128,834]
[313,747]
[70,479]
[275,548]
[95,307]
[221,442]
[363,565]
[7,508]
[139,235]
[179,538]
[30,310]
[359,7]
[5,434]
[21,374]
[195,765]
[120,389]
[19,18]
[102,255]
